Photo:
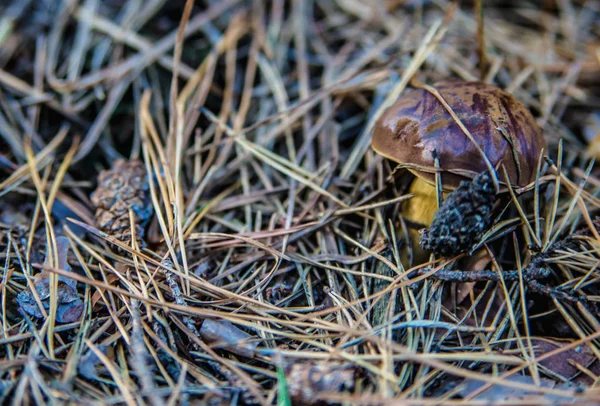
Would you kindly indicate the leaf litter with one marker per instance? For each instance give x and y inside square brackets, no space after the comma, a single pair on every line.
[255,235]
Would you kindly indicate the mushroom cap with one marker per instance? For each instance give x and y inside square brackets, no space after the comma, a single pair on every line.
[417,126]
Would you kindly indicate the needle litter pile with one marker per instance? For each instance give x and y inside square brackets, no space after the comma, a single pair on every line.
[192,210]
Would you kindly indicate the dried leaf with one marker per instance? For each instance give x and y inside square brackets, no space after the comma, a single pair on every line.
[221,333]
[561,364]
[96,297]
[70,307]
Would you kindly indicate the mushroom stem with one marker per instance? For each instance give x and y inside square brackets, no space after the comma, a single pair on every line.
[420,209]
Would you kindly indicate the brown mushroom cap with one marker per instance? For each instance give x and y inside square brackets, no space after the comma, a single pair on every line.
[417,124]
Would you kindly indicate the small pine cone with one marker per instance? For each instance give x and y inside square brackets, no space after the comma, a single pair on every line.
[122,187]
[463,218]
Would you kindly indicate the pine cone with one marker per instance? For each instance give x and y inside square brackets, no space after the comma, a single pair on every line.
[463,218]
[122,187]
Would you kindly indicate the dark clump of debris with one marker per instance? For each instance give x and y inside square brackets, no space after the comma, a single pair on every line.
[462,219]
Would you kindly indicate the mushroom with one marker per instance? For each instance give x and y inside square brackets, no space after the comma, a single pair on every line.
[418,127]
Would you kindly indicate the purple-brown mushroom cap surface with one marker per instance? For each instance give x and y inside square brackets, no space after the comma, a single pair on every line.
[417,126]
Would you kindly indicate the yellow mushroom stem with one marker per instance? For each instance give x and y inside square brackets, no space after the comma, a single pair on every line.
[420,209]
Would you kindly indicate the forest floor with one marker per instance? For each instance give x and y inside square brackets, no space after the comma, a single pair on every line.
[191,212]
